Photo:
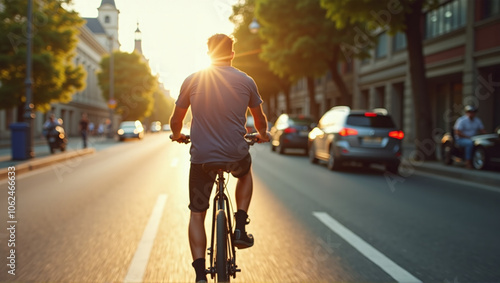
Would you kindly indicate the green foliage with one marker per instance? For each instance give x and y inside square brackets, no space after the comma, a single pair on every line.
[133,84]
[163,107]
[55,31]
[293,45]
[247,48]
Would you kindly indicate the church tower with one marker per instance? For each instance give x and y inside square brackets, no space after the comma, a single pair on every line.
[138,40]
[108,17]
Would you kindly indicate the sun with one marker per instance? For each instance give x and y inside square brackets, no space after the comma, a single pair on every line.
[202,61]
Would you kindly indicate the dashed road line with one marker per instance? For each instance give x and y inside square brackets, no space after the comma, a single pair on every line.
[140,260]
[394,270]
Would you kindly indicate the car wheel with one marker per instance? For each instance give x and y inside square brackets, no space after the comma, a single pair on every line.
[447,154]
[333,163]
[312,154]
[479,160]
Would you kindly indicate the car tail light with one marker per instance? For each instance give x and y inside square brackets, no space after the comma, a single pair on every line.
[397,135]
[370,114]
[290,130]
[348,132]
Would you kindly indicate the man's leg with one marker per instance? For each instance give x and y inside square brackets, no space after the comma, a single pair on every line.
[200,187]
[198,243]
[197,235]
[244,190]
[468,146]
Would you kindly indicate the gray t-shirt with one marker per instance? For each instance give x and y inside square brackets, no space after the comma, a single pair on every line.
[219,97]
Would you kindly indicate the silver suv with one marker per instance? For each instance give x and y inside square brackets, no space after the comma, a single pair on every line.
[344,135]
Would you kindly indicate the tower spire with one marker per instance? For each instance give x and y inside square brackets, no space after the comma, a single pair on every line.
[110,2]
[138,40]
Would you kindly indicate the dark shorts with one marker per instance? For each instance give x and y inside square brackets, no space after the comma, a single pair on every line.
[201,183]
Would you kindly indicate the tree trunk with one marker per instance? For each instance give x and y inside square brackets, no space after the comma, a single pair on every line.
[285,87]
[20,113]
[313,106]
[424,143]
[345,95]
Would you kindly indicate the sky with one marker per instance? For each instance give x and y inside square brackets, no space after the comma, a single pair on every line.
[174,32]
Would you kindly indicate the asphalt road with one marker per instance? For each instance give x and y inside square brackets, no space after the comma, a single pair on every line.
[121,215]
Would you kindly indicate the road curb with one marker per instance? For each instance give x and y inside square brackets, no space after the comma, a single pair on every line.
[45,161]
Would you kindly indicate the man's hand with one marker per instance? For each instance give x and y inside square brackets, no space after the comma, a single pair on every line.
[181,138]
[263,139]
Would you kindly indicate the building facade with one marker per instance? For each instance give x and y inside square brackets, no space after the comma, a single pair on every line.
[96,39]
[462,58]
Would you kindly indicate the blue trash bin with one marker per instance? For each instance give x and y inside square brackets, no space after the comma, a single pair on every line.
[19,141]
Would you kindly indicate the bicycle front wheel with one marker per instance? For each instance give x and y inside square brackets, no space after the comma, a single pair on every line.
[221,248]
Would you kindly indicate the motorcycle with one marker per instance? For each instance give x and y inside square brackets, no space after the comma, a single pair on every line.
[56,138]
[486,152]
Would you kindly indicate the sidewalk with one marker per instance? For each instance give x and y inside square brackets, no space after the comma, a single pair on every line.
[489,177]
[43,157]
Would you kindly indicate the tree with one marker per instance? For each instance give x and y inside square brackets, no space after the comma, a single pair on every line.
[404,16]
[55,77]
[287,43]
[163,107]
[302,42]
[133,85]
[247,48]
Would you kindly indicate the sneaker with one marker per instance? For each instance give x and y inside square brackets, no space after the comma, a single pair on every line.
[242,240]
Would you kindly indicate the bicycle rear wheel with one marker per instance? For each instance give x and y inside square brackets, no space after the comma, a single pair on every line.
[221,266]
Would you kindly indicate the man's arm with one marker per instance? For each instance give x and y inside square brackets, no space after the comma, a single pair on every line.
[260,122]
[176,122]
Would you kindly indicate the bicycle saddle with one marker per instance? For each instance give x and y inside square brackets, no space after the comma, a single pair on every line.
[216,166]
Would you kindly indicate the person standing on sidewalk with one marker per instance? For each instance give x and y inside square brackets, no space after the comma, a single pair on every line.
[465,127]
[84,128]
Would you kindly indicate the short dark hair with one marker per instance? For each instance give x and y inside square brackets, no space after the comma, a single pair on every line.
[220,47]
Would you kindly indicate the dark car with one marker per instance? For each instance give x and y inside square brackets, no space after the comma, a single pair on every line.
[290,131]
[130,129]
[486,152]
[345,135]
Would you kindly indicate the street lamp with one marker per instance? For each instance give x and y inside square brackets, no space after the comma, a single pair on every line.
[254,26]
[111,101]
[29,114]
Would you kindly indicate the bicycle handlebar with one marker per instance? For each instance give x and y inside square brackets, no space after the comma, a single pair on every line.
[250,139]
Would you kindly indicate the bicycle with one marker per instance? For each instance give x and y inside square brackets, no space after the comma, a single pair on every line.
[223,254]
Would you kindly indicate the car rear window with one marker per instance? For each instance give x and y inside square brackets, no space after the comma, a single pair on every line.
[300,121]
[374,122]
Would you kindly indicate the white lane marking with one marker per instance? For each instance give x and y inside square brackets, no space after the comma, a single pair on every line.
[140,261]
[174,162]
[394,270]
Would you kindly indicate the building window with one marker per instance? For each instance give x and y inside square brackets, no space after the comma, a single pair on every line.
[107,19]
[399,42]
[446,18]
[491,8]
[381,50]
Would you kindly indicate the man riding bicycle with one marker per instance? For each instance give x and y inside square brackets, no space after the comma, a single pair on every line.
[219,97]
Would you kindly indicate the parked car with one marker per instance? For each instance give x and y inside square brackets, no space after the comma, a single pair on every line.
[486,152]
[155,127]
[166,127]
[130,129]
[290,131]
[250,125]
[345,135]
